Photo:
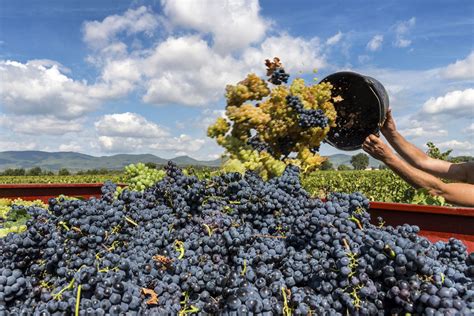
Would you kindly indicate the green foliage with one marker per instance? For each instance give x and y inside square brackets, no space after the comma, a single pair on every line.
[343,168]
[117,178]
[434,152]
[13,172]
[458,159]
[327,165]
[377,185]
[422,197]
[63,172]
[36,171]
[101,171]
[360,161]
[151,165]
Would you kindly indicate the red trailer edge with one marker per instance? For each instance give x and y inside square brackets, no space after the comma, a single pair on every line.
[435,222]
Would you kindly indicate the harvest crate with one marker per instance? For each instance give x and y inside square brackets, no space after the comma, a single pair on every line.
[436,222]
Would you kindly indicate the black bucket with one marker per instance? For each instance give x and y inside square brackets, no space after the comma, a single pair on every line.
[361,112]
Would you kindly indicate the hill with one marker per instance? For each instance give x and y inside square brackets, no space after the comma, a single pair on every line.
[76,161]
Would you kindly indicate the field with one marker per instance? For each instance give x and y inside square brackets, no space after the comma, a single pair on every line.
[376,185]
[118,178]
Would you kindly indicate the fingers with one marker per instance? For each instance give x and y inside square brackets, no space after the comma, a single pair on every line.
[373,138]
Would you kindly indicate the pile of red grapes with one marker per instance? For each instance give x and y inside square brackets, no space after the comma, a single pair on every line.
[230,245]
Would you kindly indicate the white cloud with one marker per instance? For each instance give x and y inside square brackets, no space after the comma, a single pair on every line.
[423,132]
[375,43]
[37,87]
[461,69]
[179,70]
[454,103]
[333,40]
[296,53]
[128,125]
[414,127]
[131,132]
[181,143]
[70,147]
[100,34]
[169,145]
[457,146]
[233,24]
[42,87]
[39,125]
[363,59]
[7,144]
[401,31]
[469,129]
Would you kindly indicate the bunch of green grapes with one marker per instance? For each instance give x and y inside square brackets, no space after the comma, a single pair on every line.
[15,223]
[267,128]
[138,177]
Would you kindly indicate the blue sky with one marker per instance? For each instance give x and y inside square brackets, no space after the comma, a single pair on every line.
[105,77]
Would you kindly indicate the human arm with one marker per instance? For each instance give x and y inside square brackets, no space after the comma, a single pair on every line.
[417,158]
[455,193]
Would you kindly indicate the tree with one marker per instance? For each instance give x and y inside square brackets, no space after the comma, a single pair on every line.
[360,161]
[434,152]
[326,165]
[461,159]
[150,165]
[19,171]
[63,172]
[343,168]
[383,166]
[13,172]
[36,171]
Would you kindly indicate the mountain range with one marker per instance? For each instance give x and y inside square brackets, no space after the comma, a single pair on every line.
[74,161]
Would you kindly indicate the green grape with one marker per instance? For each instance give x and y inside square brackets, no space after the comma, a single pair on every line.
[275,123]
[13,222]
[13,229]
[139,177]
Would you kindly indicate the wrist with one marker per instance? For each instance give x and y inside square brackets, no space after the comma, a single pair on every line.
[390,159]
[390,134]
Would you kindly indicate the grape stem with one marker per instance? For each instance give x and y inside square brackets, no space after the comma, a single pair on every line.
[286,308]
[58,295]
[78,299]
[270,236]
[128,219]
[244,270]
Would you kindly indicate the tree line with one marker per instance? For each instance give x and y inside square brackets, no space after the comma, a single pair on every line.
[37,171]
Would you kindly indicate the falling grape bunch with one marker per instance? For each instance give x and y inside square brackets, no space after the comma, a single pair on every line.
[266,129]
